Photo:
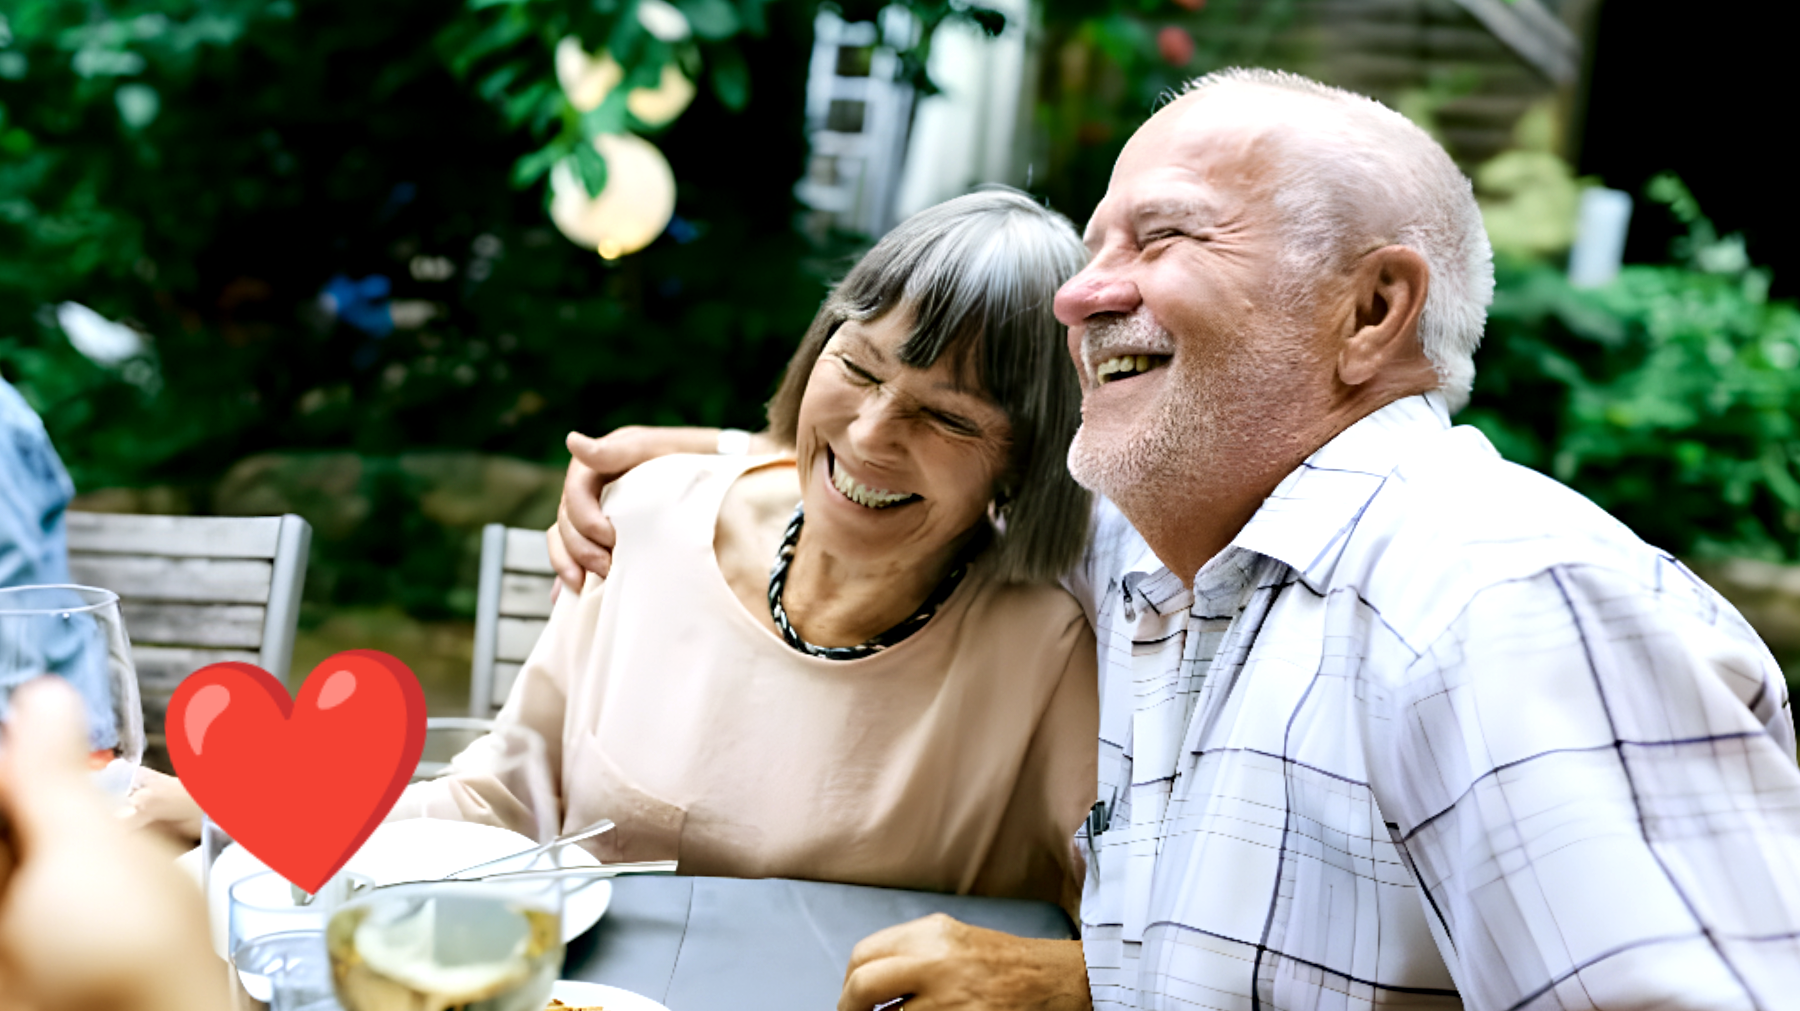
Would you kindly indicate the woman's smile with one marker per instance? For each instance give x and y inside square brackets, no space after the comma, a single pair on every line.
[867,496]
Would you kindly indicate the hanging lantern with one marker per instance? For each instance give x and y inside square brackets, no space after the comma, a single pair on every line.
[585,79]
[630,212]
[660,105]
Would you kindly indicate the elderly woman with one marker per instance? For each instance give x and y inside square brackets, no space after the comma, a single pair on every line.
[849,662]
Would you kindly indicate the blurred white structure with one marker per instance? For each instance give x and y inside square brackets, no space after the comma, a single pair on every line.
[972,131]
[99,339]
[858,114]
[877,154]
[1600,227]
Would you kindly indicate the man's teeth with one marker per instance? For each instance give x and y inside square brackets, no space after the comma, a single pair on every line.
[1126,365]
[863,495]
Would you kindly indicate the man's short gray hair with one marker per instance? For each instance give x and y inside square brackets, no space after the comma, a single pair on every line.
[1321,194]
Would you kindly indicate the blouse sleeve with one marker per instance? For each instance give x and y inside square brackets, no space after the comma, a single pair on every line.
[1034,853]
[477,789]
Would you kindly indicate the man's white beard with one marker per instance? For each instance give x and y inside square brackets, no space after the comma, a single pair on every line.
[1158,450]
[1161,447]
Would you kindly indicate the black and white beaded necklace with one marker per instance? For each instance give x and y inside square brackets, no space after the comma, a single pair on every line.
[914,622]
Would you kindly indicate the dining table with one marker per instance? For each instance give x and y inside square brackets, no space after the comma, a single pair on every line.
[771,944]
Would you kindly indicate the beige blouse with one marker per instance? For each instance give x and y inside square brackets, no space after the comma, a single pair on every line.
[959,760]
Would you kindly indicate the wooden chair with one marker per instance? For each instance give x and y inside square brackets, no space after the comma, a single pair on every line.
[512,606]
[195,590]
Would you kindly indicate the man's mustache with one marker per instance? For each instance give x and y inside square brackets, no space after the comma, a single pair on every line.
[1138,333]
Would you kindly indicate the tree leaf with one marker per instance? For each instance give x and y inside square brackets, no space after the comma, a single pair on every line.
[607,117]
[730,78]
[531,168]
[590,165]
[520,107]
[138,104]
[755,20]
[711,19]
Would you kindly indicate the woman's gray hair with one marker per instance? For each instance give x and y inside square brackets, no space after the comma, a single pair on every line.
[979,274]
[1386,160]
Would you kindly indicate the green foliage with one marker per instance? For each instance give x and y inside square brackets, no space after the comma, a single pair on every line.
[505,47]
[289,145]
[1104,73]
[1668,396]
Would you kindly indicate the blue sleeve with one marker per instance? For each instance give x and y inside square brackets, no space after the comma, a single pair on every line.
[34,493]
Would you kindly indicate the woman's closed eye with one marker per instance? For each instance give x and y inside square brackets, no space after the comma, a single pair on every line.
[857,373]
[953,424]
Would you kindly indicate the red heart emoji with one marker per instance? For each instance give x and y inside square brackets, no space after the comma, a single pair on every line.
[299,782]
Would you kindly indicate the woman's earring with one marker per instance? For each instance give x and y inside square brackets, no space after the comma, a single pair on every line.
[1002,501]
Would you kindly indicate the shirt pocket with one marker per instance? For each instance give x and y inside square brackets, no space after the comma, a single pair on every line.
[647,826]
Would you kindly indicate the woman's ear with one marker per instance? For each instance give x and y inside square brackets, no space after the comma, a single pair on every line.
[1390,285]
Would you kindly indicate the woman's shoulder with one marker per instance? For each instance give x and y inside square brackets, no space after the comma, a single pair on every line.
[1044,609]
[668,482]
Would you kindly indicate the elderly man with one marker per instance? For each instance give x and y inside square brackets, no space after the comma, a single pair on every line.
[1384,719]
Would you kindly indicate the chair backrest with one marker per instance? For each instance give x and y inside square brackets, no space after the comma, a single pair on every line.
[195,590]
[512,606]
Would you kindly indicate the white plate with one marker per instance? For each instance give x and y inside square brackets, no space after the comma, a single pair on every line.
[422,849]
[578,994]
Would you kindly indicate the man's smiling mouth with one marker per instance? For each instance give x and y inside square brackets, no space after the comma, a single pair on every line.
[1125,366]
[861,494]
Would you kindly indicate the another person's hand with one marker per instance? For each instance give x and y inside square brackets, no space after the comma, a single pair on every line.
[941,964]
[160,802]
[583,538]
[91,915]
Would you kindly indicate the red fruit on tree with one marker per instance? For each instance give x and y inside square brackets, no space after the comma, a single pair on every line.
[1192,5]
[1175,45]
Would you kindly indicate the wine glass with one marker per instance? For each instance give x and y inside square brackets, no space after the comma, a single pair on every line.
[78,634]
[437,945]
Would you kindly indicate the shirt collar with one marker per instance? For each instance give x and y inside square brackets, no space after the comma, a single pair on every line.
[1306,521]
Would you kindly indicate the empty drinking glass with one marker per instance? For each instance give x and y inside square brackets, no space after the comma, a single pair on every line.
[264,905]
[295,971]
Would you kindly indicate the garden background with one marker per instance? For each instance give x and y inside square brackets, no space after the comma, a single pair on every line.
[315,233]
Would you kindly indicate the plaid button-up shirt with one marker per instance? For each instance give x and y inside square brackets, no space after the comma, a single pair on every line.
[1435,731]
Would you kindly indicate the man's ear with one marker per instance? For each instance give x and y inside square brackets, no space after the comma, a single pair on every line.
[1390,286]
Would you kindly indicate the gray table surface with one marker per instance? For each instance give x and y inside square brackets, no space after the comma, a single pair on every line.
[726,944]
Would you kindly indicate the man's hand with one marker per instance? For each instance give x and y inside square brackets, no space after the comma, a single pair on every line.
[941,964]
[91,915]
[582,540]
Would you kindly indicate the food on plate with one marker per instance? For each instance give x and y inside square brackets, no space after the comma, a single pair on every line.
[556,1005]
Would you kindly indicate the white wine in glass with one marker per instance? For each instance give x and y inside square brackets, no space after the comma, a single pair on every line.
[441,945]
[77,633]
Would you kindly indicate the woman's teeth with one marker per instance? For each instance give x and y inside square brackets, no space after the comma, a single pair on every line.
[863,495]
[1127,365]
